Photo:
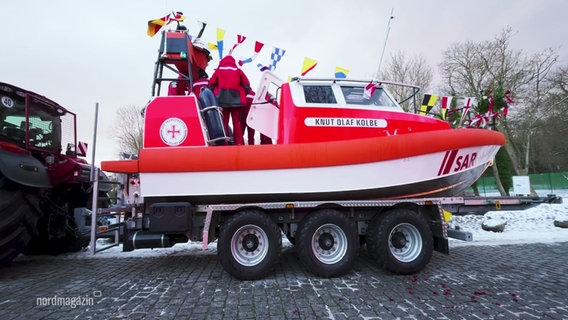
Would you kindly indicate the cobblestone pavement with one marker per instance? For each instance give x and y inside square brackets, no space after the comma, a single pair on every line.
[502,282]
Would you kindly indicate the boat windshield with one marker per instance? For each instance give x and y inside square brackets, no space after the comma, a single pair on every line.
[355,95]
[347,95]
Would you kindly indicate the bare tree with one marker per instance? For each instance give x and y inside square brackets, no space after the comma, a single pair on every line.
[414,70]
[462,68]
[549,152]
[128,130]
[472,68]
[531,109]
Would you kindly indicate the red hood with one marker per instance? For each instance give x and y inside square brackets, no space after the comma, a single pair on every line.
[228,61]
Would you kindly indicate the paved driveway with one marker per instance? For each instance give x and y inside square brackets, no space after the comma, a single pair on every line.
[503,282]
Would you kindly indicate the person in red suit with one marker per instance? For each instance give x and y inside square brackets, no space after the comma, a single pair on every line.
[244,114]
[202,82]
[178,87]
[230,85]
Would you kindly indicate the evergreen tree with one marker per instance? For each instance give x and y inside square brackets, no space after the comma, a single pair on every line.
[505,168]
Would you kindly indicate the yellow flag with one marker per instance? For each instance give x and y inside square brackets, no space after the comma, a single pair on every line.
[212,46]
[309,64]
[341,72]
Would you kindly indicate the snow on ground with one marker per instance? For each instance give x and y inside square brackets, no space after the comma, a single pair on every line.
[534,225]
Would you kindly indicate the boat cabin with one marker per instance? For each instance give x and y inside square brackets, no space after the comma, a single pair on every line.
[299,111]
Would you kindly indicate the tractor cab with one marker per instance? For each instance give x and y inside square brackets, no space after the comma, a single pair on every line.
[30,121]
[33,134]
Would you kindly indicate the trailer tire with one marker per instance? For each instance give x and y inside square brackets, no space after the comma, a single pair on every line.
[249,245]
[370,237]
[400,241]
[18,220]
[327,243]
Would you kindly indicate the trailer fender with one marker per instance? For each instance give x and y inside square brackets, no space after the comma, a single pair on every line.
[21,167]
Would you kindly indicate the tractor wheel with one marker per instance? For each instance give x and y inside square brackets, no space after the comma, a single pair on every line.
[58,231]
[18,219]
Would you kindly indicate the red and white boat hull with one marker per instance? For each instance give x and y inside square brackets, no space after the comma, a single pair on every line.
[433,163]
[399,178]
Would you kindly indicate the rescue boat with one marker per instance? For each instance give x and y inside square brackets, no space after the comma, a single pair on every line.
[333,139]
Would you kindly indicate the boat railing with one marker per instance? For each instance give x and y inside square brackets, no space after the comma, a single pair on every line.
[379,83]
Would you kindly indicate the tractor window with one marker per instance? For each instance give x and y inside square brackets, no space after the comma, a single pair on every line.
[44,128]
[12,114]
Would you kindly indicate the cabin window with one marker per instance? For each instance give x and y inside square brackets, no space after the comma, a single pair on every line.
[319,94]
[44,125]
[355,95]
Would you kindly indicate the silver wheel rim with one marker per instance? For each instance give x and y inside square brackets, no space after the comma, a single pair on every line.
[405,242]
[329,244]
[249,245]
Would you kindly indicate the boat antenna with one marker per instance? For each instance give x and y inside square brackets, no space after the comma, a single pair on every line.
[385,43]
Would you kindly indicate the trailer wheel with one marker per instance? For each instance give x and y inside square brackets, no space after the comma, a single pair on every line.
[327,243]
[249,245]
[370,237]
[400,241]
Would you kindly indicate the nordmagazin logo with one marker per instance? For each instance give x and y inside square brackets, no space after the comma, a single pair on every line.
[68,301]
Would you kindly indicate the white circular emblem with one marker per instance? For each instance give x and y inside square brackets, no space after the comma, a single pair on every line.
[7,102]
[173,131]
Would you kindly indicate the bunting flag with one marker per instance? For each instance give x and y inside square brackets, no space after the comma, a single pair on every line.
[428,103]
[369,91]
[275,57]
[479,121]
[240,39]
[465,110]
[309,65]
[220,36]
[446,101]
[508,101]
[212,46]
[257,47]
[263,67]
[341,73]
[156,24]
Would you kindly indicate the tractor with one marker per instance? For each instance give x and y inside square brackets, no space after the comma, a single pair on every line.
[45,187]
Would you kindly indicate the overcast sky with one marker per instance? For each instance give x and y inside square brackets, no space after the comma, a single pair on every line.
[81,52]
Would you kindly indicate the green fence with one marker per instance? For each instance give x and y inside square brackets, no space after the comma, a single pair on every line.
[541,182]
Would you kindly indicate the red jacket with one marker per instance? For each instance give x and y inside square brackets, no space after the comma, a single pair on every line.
[178,87]
[229,84]
[250,98]
[198,84]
